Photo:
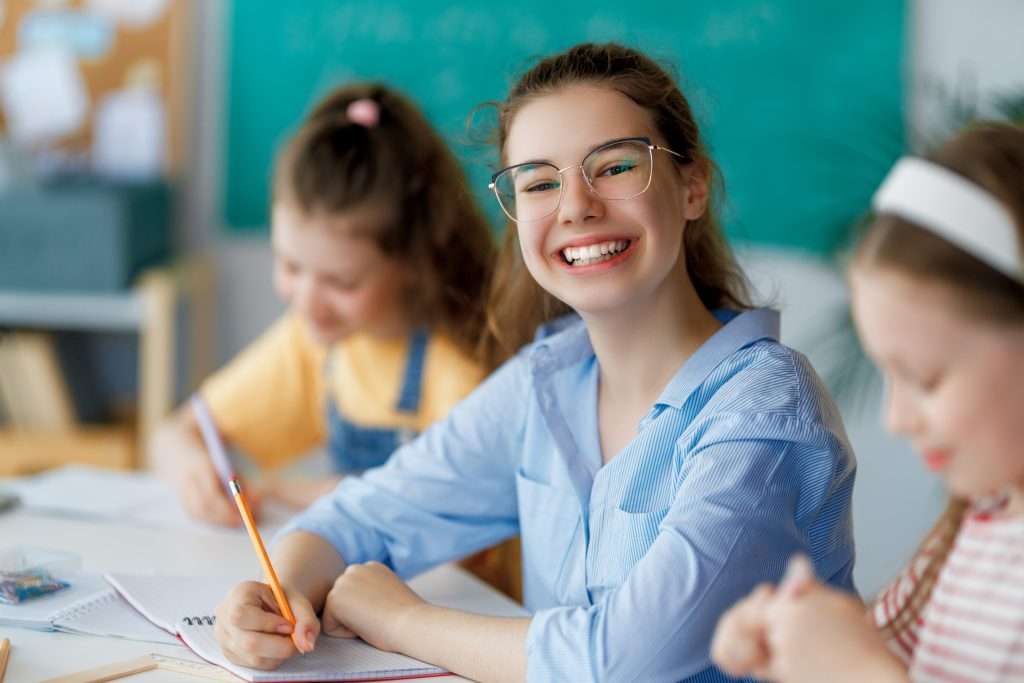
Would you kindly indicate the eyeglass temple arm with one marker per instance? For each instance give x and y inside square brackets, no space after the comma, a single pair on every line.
[672,152]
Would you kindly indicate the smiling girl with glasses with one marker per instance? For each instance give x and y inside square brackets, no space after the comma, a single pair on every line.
[658,450]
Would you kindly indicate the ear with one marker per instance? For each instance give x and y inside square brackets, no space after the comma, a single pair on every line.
[697,191]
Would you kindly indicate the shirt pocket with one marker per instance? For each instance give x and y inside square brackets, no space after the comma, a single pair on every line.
[549,520]
[624,539]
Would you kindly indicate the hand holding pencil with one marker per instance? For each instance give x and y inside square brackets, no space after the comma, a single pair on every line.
[215,471]
[261,553]
[228,475]
[196,470]
[252,632]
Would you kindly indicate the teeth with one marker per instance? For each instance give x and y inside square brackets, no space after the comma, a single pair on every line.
[593,253]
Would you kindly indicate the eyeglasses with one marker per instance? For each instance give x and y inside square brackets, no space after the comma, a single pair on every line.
[619,169]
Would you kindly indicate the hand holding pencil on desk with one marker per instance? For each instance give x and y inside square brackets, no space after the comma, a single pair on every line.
[198,471]
[260,624]
[251,627]
[253,632]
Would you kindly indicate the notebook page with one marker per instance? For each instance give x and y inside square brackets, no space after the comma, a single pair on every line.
[136,497]
[333,659]
[108,614]
[164,600]
[38,613]
[93,492]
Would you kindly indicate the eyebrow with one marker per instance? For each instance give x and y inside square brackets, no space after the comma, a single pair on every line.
[359,274]
[611,141]
[904,369]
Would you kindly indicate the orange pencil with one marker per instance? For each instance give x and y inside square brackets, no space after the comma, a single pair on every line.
[5,653]
[261,552]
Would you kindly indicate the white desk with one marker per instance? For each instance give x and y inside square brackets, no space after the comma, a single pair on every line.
[121,547]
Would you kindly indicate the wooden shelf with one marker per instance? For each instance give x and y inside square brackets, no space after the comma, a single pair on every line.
[149,309]
[30,452]
[121,311]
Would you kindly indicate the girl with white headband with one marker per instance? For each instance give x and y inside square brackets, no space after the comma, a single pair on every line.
[938,297]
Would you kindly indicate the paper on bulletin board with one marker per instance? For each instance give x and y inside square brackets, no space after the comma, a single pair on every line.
[133,13]
[44,97]
[88,35]
[129,134]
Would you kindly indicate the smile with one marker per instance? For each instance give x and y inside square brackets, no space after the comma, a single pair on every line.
[600,252]
[936,460]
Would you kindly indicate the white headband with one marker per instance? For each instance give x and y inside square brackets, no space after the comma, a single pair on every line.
[937,199]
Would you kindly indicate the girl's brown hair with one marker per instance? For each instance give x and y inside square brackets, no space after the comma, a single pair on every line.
[401,165]
[517,305]
[991,155]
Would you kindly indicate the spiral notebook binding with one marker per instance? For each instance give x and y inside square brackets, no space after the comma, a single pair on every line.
[84,606]
[199,621]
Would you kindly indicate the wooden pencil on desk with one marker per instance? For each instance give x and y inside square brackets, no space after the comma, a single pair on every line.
[5,653]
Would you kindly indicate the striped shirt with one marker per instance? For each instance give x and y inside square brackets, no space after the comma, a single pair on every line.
[627,566]
[972,629]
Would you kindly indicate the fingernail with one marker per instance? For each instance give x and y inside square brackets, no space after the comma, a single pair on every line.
[284,628]
[799,574]
[799,567]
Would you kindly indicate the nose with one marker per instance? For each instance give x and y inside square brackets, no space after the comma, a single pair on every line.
[902,415]
[579,202]
[308,295]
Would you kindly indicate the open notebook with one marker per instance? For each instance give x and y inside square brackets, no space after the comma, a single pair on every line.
[167,600]
[334,659]
[184,606]
[89,606]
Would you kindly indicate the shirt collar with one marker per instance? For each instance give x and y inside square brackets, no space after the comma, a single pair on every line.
[740,330]
[560,343]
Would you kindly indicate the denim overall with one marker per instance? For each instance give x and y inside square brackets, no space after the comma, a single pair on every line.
[354,448]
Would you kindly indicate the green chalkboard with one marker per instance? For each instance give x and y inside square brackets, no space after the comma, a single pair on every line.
[802,101]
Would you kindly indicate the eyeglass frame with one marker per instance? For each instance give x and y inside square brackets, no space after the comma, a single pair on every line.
[651,148]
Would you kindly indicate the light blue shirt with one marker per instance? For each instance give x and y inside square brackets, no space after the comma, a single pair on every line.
[627,566]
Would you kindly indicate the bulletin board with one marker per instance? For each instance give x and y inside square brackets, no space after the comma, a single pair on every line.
[802,101]
[111,42]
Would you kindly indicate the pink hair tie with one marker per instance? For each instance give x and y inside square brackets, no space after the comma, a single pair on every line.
[365,112]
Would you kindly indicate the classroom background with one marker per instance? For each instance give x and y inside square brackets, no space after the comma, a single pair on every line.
[136,138]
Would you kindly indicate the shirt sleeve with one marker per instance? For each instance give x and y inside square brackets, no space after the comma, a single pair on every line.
[734,522]
[446,494]
[268,401]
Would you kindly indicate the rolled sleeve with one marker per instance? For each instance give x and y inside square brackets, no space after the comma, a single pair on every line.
[733,523]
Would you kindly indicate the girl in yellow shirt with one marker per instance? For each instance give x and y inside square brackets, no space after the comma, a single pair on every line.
[382,257]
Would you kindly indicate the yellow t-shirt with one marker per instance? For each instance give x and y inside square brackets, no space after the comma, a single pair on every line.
[270,400]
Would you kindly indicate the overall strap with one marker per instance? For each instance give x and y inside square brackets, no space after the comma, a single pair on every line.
[412,383]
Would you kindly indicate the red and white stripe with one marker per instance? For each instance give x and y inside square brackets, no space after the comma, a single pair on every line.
[972,629]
